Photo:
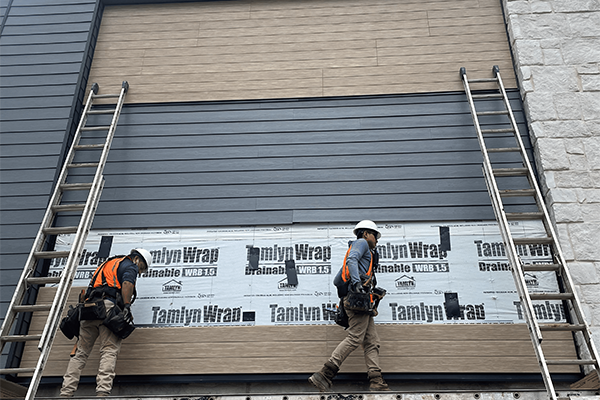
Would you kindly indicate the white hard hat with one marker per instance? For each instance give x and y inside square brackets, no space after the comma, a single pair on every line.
[145,255]
[367,224]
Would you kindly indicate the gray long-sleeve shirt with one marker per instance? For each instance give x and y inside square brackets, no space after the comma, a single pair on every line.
[358,260]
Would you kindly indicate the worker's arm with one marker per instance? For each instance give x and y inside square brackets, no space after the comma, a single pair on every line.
[127,291]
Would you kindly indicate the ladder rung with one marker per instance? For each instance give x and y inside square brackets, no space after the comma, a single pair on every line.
[487,96]
[12,371]
[68,207]
[109,111]
[571,362]
[516,193]
[509,171]
[562,327]
[42,280]
[551,296]
[83,165]
[503,130]
[89,146]
[60,230]
[539,240]
[504,150]
[50,254]
[32,307]
[541,267]
[504,112]
[20,338]
[105,96]
[76,186]
[95,128]
[524,215]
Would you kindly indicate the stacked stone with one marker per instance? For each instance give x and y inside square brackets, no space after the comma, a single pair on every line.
[556,50]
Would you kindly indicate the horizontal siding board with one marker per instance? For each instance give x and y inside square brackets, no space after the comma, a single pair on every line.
[29,29]
[19,10]
[42,48]
[40,19]
[409,214]
[52,69]
[40,113]
[51,58]
[41,78]
[47,38]
[37,102]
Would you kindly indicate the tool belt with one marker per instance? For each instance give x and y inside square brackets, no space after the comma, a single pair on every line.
[364,303]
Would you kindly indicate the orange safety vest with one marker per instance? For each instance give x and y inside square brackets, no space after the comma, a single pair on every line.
[346,270]
[106,273]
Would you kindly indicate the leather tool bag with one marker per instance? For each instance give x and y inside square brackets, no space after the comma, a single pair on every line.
[117,324]
[92,310]
[69,325]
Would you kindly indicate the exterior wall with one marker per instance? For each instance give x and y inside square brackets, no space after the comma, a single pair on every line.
[389,158]
[263,49]
[556,46]
[45,54]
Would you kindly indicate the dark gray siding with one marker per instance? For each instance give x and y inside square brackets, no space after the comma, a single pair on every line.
[387,158]
[45,53]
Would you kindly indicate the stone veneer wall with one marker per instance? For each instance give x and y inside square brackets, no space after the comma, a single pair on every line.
[556,50]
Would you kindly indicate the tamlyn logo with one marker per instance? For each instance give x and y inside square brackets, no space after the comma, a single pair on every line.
[406,282]
[284,285]
[531,280]
[172,286]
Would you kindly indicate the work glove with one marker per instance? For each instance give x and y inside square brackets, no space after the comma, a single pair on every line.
[127,315]
[358,287]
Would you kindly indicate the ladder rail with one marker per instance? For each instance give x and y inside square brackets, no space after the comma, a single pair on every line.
[84,224]
[567,293]
[557,250]
[499,207]
[517,272]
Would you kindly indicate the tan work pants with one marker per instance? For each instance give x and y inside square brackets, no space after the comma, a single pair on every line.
[110,345]
[360,332]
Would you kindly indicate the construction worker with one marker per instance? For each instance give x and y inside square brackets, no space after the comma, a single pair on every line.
[356,273]
[113,283]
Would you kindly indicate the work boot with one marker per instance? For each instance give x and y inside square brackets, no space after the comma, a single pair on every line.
[322,379]
[377,384]
[102,394]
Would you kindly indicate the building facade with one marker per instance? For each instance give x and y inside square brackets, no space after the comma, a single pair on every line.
[294,114]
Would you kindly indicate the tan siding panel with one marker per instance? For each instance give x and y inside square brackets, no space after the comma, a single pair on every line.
[263,49]
[268,349]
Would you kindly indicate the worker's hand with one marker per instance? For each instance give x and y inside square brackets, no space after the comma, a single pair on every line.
[358,288]
[127,315]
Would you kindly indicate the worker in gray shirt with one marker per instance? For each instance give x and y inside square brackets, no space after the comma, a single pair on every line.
[356,276]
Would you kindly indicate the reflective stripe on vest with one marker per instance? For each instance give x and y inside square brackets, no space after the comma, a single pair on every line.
[346,270]
[106,274]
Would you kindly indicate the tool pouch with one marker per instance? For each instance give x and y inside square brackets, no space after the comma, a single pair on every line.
[92,310]
[117,324]
[341,318]
[358,302]
[69,325]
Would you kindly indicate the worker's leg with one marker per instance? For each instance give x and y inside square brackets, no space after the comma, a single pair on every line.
[110,345]
[356,335]
[88,332]
[371,347]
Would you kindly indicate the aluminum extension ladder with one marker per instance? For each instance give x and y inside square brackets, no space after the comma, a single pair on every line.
[495,176]
[87,211]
